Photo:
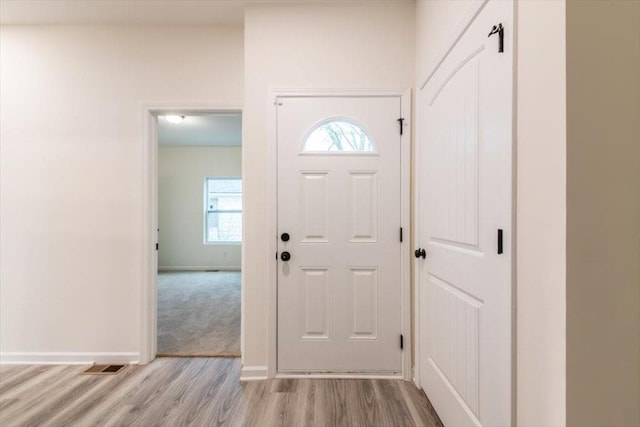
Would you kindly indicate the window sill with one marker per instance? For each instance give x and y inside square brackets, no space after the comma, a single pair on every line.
[222,243]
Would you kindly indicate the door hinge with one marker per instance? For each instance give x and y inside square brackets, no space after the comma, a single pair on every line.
[400,234]
[500,249]
[499,30]
[276,255]
[401,342]
[401,121]
[157,246]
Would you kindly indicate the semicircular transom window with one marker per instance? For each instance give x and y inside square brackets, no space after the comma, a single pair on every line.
[338,136]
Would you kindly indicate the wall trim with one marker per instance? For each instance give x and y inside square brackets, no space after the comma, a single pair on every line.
[253,373]
[199,268]
[344,376]
[64,358]
[406,257]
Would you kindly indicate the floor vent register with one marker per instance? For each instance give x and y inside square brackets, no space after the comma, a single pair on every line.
[104,370]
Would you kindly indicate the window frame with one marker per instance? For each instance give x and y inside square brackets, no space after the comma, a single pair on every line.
[207,211]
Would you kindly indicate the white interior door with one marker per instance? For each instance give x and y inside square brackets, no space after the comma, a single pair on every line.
[465,198]
[339,294]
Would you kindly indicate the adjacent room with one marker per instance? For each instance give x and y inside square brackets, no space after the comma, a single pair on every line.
[199,234]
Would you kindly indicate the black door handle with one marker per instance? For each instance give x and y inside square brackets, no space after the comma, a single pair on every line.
[420,253]
[285,256]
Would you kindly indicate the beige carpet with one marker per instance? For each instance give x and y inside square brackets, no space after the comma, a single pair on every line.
[199,314]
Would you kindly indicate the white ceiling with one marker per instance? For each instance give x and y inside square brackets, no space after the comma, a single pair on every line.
[133,12]
[219,129]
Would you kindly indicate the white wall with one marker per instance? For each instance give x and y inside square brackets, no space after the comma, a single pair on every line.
[541,175]
[71,172]
[541,213]
[603,213]
[181,175]
[306,46]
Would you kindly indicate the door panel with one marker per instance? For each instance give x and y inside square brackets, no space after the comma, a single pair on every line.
[339,296]
[364,292]
[314,206]
[314,295]
[465,147]
[455,195]
[363,206]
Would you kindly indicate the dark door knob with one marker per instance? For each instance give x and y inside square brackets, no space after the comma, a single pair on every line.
[285,256]
[284,237]
[420,253]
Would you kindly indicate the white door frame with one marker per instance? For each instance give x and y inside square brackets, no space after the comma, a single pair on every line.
[458,31]
[149,220]
[272,216]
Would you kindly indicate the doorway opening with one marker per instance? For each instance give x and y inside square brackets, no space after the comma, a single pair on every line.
[196,213]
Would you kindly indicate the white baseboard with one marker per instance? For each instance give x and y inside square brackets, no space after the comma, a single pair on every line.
[199,268]
[341,376]
[37,358]
[253,373]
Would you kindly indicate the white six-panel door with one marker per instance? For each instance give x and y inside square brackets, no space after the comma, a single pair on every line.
[464,178]
[339,294]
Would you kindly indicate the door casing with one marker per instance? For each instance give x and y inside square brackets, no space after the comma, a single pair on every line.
[272,220]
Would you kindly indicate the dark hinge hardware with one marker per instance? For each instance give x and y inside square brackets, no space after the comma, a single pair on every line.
[499,241]
[401,121]
[499,30]
[276,255]
[157,246]
[400,234]
[401,341]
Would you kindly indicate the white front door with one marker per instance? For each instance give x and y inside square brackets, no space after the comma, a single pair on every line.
[339,293]
[464,177]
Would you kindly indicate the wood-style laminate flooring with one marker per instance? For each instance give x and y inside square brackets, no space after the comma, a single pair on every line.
[201,392]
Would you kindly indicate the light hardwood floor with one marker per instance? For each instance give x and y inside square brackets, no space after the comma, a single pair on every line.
[201,392]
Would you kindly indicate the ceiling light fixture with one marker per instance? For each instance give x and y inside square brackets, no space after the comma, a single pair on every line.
[174,119]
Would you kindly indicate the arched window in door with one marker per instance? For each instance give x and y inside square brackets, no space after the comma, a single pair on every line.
[337,135]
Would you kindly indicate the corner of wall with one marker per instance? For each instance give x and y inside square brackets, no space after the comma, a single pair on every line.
[541,213]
